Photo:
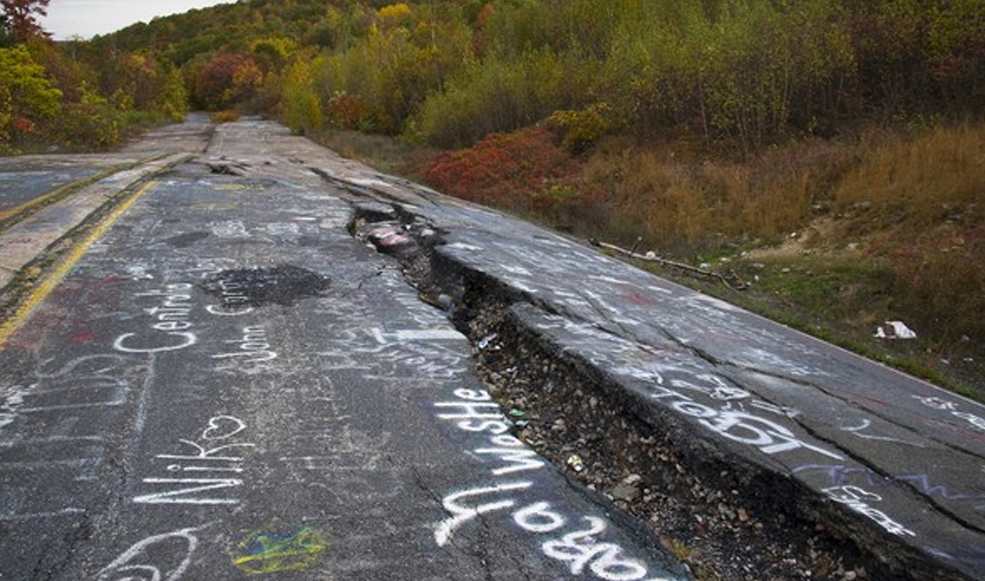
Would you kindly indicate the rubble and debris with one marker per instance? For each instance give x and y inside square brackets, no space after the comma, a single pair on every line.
[683,495]
[388,239]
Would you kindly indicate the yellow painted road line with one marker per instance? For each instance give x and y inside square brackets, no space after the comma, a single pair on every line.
[43,199]
[48,284]
[57,193]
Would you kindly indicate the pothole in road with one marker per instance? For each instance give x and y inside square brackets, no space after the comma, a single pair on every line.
[257,287]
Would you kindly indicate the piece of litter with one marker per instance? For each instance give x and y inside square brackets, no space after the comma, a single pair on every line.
[894,330]
[575,463]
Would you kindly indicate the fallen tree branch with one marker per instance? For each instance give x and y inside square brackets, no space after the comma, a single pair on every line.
[732,281]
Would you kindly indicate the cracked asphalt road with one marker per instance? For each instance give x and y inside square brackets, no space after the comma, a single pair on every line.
[230,383]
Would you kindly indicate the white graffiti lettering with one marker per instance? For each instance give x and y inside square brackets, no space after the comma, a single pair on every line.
[186,494]
[463,514]
[858,500]
[937,403]
[538,518]
[141,560]
[769,437]
[233,298]
[254,347]
[172,317]
[581,549]
[476,413]
[944,405]
[213,310]
[154,345]
[975,421]
[208,462]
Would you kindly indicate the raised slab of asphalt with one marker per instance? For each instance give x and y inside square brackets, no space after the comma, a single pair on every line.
[895,462]
[184,405]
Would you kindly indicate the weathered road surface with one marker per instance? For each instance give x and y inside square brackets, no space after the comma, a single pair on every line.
[230,382]
[43,198]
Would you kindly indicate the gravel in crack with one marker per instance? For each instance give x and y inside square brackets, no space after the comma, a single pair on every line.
[722,525]
[256,287]
[717,531]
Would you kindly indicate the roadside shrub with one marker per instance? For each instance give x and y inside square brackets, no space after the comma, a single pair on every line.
[913,183]
[569,206]
[685,204]
[227,116]
[91,123]
[498,96]
[300,105]
[347,111]
[172,100]
[580,129]
[227,79]
[924,200]
[506,170]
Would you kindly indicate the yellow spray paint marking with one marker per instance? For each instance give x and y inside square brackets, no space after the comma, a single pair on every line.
[44,288]
[263,553]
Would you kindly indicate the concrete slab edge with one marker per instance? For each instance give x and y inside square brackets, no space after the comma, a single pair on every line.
[690,426]
[87,201]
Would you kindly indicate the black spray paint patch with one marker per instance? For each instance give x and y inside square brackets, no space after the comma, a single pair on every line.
[257,287]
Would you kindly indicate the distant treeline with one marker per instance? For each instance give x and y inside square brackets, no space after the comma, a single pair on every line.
[446,73]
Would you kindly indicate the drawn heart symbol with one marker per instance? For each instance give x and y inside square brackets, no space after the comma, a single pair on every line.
[222,427]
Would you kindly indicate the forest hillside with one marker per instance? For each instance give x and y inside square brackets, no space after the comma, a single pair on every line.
[829,152]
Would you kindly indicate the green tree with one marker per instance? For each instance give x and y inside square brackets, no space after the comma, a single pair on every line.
[300,105]
[27,96]
[92,122]
[172,100]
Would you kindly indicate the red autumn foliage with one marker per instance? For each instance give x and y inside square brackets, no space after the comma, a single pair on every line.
[503,169]
[227,79]
[347,111]
[22,126]
[20,17]
[524,172]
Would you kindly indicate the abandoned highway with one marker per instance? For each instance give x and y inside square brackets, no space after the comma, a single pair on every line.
[228,353]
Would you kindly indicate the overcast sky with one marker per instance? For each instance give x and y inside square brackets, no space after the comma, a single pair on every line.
[85,18]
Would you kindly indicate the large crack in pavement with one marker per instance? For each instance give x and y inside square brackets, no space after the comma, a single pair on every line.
[727,516]
[744,450]
[722,519]
[891,473]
